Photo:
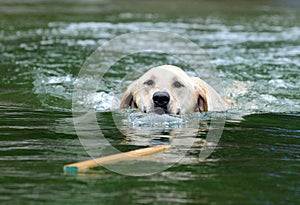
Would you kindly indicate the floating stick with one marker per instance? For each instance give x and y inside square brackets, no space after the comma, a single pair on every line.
[131,155]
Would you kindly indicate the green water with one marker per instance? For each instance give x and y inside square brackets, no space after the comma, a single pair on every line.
[255,47]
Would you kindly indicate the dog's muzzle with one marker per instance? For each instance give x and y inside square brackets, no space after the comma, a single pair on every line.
[161,100]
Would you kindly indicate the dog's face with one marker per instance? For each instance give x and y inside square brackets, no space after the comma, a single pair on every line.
[165,90]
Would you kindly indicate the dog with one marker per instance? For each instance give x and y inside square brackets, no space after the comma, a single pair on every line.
[167,89]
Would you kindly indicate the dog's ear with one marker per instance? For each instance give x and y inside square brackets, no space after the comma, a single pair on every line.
[201,104]
[200,92]
[127,101]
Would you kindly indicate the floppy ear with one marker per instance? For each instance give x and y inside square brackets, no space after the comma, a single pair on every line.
[127,101]
[202,104]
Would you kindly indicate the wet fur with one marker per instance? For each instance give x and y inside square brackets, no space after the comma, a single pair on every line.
[187,94]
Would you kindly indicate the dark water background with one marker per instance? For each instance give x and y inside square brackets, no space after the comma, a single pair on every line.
[255,46]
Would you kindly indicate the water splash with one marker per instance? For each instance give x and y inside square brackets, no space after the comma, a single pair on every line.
[259,74]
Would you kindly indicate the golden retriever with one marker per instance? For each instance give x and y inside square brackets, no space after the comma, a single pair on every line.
[168,89]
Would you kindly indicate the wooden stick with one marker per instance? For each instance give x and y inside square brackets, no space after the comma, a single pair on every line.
[131,155]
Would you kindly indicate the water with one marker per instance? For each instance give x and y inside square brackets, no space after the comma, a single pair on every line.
[255,49]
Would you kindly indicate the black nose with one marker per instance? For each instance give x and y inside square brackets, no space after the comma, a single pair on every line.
[161,99]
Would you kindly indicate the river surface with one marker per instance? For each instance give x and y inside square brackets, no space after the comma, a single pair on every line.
[255,49]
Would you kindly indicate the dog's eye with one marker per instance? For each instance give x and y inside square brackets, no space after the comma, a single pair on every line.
[149,82]
[177,84]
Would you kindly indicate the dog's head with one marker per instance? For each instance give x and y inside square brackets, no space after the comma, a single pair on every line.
[165,90]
